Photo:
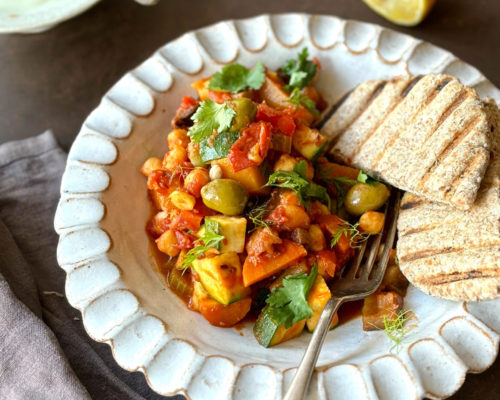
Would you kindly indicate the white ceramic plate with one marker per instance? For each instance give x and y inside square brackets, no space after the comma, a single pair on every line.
[103,246]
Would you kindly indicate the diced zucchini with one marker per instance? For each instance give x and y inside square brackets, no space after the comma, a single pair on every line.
[317,298]
[221,277]
[194,154]
[269,333]
[309,142]
[281,143]
[233,229]
[250,178]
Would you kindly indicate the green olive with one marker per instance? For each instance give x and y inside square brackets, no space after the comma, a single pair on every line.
[245,109]
[225,196]
[364,197]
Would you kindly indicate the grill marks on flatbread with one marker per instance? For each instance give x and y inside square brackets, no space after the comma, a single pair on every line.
[454,253]
[428,135]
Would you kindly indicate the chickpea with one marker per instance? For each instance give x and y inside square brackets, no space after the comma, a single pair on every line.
[178,137]
[195,180]
[167,243]
[182,200]
[372,222]
[175,157]
[150,165]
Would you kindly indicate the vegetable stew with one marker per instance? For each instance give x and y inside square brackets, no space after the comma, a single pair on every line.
[251,213]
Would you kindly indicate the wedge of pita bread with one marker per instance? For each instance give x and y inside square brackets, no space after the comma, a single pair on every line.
[450,253]
[427,135]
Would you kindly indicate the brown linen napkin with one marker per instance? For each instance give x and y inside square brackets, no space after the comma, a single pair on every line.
[45,352]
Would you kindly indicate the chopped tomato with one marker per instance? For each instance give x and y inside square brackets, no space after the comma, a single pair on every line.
[158,224]
[280,121]
[187,220]
[252,146]
[333,224]
[289,214]
[219,97]
[184,240]
[201,209]
[262,241]
[300,115]
[289,217]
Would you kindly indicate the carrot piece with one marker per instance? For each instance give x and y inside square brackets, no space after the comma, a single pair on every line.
[333,170]
[220,315]
[262,266]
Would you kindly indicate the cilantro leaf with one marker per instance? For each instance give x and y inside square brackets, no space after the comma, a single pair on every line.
[235,78]
[256,76]
[211,239]
[210,117]
[301,168]
[297,181]
[364,178]
[220,147]
[288,304]
[301,100]
[300,71]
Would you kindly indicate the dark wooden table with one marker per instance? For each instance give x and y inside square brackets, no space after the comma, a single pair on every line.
[54,79]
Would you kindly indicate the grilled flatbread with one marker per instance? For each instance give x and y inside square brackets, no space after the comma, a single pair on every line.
[428,135]
[452,253]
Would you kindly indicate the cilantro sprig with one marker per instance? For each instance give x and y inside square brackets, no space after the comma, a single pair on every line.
[211,239]
[355,235]
[235,78]
[256,216]
[296,180]
[301,100]
[395,328]
[301,71]
[210,117]
[288,304]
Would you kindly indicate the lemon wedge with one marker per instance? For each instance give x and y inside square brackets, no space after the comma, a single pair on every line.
[402,12]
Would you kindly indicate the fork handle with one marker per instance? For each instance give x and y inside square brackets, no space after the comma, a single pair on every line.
[300,383]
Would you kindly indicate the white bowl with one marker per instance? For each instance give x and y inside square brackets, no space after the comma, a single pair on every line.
[111,275]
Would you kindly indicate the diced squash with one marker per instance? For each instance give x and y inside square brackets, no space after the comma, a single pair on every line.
[221,277]
[250,178]
[272,93]
[268,333]
[233,229]
[378,306]
[317,298]
[333,170]
[309,142]
[179,283]
[201,87]
[218,314]
[256,268]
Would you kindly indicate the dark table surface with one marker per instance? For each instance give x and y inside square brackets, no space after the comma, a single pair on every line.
[55,79]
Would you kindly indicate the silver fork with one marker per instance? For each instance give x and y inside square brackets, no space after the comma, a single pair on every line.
[356,282]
